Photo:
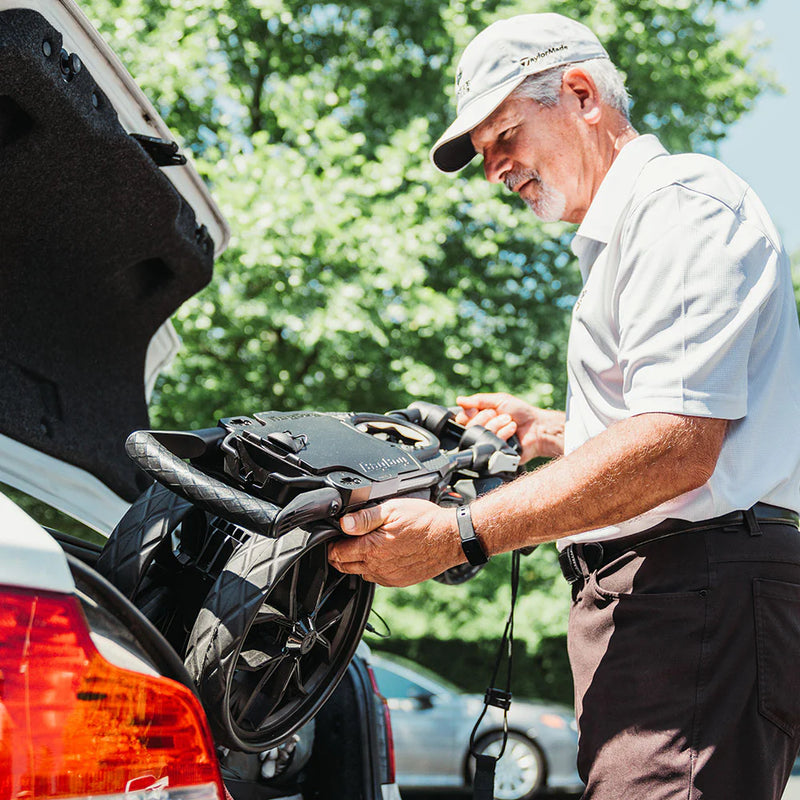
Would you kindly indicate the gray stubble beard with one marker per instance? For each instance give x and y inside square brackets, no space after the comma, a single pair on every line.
[549,204]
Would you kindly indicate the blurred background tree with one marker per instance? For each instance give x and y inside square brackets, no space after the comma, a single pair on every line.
[357,276]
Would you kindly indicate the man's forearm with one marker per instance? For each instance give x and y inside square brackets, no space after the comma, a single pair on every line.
[630,468]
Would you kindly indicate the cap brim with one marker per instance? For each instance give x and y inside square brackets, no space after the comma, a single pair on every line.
[451,155]
[454,150]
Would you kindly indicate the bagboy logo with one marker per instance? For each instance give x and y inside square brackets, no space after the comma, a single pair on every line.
[526,61]
[385,464]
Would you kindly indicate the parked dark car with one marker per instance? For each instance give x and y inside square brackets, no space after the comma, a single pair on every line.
[432,721]
[106,231]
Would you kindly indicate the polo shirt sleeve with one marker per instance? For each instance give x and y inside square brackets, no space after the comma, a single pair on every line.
[693,277]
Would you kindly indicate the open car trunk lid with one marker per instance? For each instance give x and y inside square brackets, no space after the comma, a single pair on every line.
[99,245]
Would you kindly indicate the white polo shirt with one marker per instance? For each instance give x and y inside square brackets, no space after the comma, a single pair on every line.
[687,308]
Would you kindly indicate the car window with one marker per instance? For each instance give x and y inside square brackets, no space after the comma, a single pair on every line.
[393,685]
[430,681]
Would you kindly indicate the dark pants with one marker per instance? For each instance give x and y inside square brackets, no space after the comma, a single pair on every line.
[686,659]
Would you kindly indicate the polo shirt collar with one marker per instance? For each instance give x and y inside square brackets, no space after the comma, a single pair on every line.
[613,194]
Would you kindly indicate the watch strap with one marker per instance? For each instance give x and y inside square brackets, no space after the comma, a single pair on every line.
[470,543]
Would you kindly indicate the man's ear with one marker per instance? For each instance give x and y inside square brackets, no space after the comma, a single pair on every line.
[578,84]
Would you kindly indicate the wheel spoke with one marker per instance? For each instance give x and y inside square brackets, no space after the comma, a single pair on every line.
[316,589]
[298,680]
[293,580]
[276,679]
[328,620]
[329,592]
[271,699]
[324,643]
[244,691]
[335,616]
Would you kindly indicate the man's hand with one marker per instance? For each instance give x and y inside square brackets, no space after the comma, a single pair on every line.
[540,431]
[632,467]
[398,543]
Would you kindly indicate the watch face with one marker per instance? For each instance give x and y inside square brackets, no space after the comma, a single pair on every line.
[474,551]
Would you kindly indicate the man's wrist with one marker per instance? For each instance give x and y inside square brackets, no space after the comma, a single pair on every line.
[471,544]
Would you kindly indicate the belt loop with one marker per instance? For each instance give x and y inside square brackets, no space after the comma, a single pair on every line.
[752,522]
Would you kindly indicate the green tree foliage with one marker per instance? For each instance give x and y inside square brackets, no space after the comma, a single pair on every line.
[357,276]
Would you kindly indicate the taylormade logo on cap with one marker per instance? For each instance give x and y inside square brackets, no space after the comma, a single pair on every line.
[528,60]
[496,61]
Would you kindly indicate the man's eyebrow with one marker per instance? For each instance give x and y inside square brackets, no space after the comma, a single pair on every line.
[492,126]
[506,118]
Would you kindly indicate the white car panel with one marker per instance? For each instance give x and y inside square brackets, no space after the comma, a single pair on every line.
[63,486]
[161,352]
[29,556]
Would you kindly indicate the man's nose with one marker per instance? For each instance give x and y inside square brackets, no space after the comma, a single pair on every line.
[495,166]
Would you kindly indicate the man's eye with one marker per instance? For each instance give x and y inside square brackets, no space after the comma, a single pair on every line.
[504,134]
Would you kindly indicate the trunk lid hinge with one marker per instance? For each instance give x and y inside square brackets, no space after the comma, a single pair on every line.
[163,153]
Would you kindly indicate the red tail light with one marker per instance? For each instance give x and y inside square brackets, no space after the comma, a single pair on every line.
[388,726]
[73,724]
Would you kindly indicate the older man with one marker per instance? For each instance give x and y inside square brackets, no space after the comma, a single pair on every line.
[675,499]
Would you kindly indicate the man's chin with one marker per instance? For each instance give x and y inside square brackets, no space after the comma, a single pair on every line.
[546,212]
[547,217]
[547,202]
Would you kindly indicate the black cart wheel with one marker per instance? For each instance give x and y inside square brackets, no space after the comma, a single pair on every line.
[131,547]
[274,637]
[151,558]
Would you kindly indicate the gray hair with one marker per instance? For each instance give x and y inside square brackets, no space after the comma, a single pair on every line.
[545,87]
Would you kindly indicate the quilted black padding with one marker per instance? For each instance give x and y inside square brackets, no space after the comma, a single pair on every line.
[203,490]
[97,250]
[131,546]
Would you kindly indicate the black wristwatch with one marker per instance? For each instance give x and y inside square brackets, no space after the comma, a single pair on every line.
[470,543]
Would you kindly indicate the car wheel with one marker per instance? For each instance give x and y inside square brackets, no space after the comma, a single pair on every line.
[520,773]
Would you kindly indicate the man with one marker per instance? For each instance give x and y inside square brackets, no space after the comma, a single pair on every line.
[675,502]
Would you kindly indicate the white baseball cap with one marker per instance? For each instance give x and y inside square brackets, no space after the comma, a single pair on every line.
[496,61]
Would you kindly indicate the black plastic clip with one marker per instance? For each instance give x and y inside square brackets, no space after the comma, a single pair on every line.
[497,698]
[163,153]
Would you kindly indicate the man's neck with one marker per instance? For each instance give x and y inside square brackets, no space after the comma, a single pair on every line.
[627,134]
[611,143]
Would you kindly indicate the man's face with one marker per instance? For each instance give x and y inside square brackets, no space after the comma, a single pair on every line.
[535,151]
